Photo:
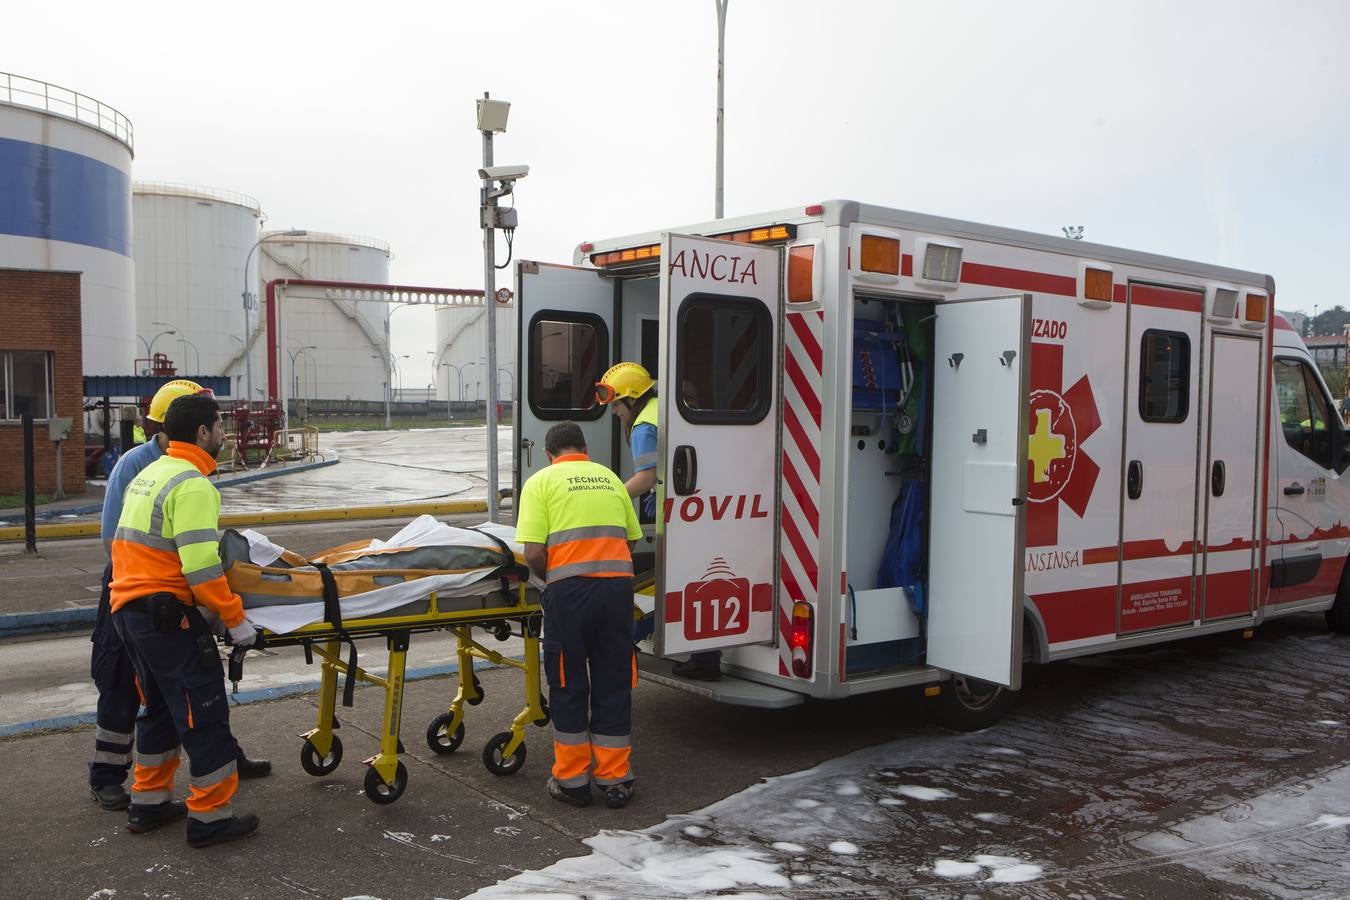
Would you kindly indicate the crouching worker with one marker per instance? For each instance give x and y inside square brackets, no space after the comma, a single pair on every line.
[578,527]
[166,563]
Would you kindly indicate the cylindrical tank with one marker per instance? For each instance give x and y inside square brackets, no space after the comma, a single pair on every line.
[65,205]
[461,352]
[191,247]
[335,349]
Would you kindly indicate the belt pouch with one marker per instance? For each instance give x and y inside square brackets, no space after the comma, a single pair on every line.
[166,613]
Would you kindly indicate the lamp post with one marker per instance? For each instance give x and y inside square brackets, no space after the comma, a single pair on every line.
[150,347]
[511,391]
[295,379]
[721,43]
[250,301]
[182,339]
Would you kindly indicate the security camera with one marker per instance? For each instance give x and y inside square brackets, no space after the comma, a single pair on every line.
[503,173]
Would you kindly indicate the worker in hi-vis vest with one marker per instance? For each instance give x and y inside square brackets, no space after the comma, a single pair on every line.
[118,699]
[629,390]
[578,527]
[167,575]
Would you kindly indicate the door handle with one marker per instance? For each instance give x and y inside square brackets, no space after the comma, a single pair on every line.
[684,470]
[1217,478]
[527,445]
[1134,479]
[1293,490]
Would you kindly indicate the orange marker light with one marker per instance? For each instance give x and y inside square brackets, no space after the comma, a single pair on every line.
[1098,284]
[880,254]
[1256,308]
[801,261]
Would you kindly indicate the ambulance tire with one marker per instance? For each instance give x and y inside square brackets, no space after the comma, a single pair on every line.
[385,792]
[314,764]
[968,704]
[498,764]
[439,737]
[1338,617]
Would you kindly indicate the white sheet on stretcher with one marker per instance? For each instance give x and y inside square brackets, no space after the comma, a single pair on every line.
[424,531]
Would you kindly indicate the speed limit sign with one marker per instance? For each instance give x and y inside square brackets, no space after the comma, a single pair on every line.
[503,295]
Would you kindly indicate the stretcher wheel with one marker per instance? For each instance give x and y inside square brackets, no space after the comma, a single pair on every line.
[492,755]
[439,739]
[314,764]
[477,686]
[382,792]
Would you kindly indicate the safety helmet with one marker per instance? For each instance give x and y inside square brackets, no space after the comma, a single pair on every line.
[625,379]
[171,391]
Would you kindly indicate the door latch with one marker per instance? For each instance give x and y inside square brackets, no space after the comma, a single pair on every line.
[955,360]
[527,445]
[981,436]
[1007,357]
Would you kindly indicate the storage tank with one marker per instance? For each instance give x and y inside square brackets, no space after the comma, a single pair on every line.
[461,352]
[65,205]
[190,251]
[338,346]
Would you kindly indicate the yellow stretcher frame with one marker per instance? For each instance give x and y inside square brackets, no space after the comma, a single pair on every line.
[387,777]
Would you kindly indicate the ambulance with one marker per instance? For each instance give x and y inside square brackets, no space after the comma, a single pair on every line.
[903,450]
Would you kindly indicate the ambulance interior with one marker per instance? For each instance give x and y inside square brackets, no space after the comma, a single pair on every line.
[888,452]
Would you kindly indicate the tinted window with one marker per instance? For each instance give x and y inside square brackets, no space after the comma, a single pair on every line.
[1164,376]
[1305,416]
[568,354]
[725,364]
[25,384]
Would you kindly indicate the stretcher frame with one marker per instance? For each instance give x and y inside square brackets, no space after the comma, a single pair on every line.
[387,778]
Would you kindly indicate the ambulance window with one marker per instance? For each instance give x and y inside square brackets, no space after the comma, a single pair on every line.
[651,337]
[724,365]
[1305,417]
[568,354]
[1164,376]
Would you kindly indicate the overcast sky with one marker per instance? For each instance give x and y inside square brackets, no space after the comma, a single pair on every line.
[1215,131]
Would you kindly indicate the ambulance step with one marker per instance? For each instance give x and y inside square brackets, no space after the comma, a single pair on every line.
[732,690]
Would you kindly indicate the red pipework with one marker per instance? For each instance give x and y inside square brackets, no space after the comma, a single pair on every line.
[273,363]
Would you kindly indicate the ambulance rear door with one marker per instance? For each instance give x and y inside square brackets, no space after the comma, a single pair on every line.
[978,491]
[564,345]
[718,467]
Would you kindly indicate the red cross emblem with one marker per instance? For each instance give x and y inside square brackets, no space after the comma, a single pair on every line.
[1059,422]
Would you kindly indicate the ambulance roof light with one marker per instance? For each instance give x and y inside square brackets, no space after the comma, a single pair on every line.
[762,235]
[815,209]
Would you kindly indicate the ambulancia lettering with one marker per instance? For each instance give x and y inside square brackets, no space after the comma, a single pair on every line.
[718,507]
[714,267]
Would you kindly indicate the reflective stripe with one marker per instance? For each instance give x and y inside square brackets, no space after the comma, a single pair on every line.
[610,740]
[112,737]
[157,514]
[571,738]
[212,815]
[214,777]
[645,461]
[155,760]
[615,568]
[197,536]
[201,576]
[588,531]
[150,798]
[112,759]
[135,536]
[575,781]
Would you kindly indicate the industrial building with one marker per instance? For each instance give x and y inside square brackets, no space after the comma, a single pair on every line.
[461,352]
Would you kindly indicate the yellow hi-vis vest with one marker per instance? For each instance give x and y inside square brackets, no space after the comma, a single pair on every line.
[581,512]
[166,540]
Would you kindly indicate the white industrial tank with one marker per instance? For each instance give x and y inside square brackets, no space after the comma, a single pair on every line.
[334,349]
[65,205]
[191,247]
[461,352]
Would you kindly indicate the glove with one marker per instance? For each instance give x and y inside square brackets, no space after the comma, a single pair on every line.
[243,634]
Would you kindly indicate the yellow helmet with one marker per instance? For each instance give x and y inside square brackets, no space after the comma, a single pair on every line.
[625,379]
[169,392]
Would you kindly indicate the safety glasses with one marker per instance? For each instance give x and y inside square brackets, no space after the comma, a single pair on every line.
[604,394]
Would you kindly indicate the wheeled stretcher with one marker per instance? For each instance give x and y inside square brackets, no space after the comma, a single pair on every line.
[427,577]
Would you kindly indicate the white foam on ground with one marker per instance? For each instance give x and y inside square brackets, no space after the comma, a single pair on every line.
[918,792]
[788,847]
[847,848]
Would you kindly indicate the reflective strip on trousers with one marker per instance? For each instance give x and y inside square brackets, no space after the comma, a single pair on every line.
[112,737]
[149,798]
[112,759]
[155,760]
[213,778]
[212,815]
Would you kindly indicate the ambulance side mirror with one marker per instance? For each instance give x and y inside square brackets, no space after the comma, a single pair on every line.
[684,471]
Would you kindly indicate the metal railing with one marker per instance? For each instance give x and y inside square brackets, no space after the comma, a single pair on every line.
[197,192]
[16,90]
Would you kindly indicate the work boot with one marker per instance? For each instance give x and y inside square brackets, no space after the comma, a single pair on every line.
[253,768]
[573,796]
[618,795]
[700,667]
[141,819]
[110,796]
[231,829]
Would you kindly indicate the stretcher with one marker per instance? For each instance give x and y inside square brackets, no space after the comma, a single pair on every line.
[428,577]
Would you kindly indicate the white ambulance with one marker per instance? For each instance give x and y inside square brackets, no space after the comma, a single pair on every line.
[897,449]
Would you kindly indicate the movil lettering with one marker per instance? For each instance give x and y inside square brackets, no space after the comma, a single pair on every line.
[709,266]
[723,506]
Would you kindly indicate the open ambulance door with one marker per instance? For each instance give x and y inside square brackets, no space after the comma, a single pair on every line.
[564,346]
[717,488]
[978,498]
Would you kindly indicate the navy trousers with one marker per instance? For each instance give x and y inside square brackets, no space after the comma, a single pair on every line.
[118,699]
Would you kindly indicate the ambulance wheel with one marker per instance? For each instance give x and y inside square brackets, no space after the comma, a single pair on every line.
[314,764]
[492,755]
[439,738]
[477,686]
[1338,617]
[382,792]
[968,704]
[548,715]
